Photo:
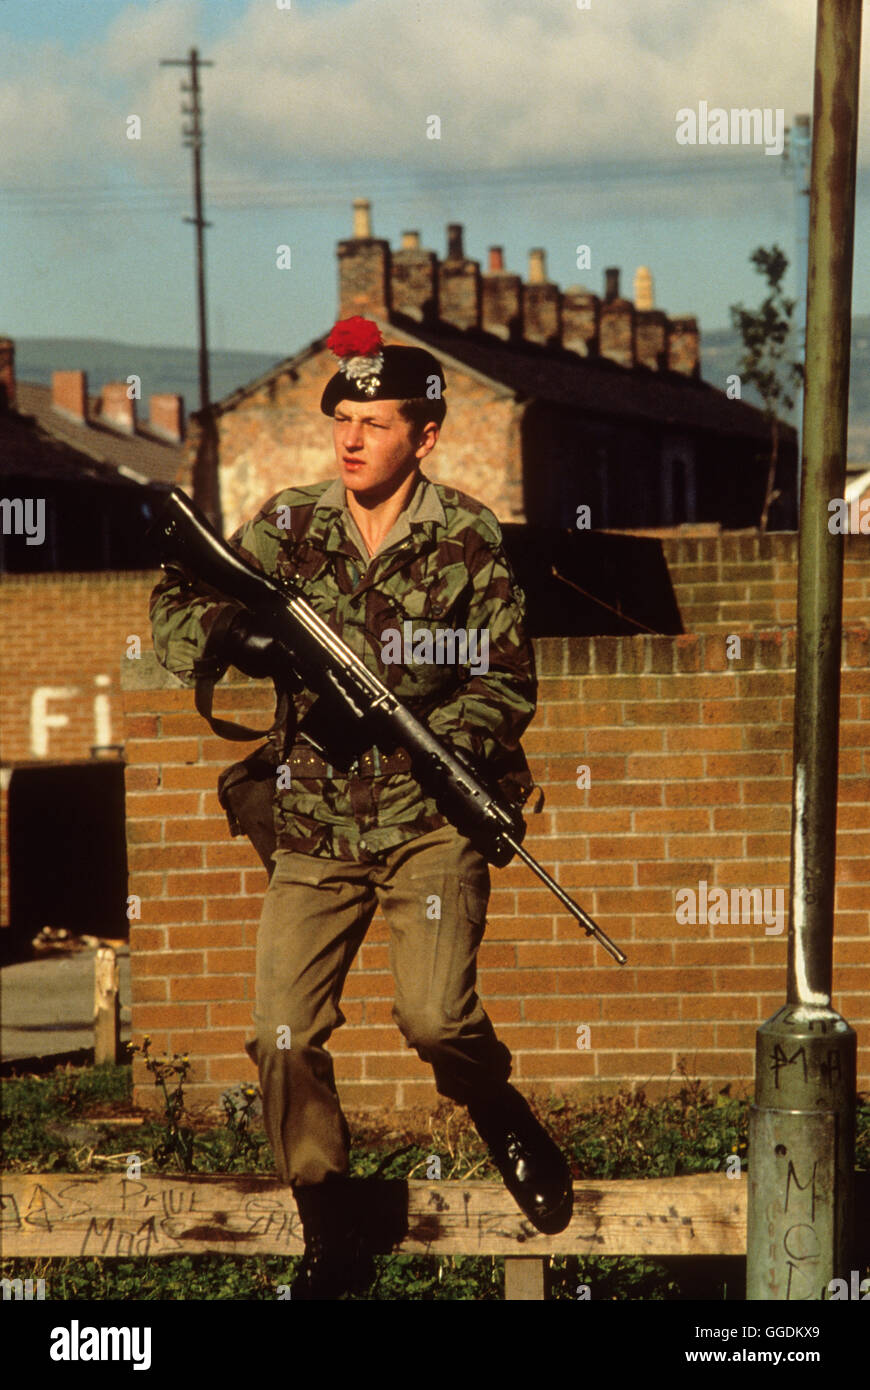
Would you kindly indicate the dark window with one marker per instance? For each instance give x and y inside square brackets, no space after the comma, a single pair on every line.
[67,849]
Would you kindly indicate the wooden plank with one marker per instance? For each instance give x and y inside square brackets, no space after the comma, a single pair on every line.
[525,1279]
[114,1216]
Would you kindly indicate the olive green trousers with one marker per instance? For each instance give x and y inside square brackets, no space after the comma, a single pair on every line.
[433,892]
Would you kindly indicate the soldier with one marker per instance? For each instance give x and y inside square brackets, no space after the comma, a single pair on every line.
[377,549]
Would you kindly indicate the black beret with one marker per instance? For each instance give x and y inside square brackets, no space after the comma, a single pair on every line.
[406,374]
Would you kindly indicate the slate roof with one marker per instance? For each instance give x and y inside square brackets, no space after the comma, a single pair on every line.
[142,457]
[594,386]
[28,450]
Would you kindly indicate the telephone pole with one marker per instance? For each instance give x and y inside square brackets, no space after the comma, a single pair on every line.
[206,488]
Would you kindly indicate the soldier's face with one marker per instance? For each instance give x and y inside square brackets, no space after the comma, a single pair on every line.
[376,446]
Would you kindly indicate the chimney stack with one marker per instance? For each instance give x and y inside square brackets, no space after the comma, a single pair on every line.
[69,395]
[459,289]
[414,280]
[580,316]
[542,303]
[651,339]
[363,269]
[684,346]
[166,416]
[7,374]
[116,408]
[616,328]
[501,299]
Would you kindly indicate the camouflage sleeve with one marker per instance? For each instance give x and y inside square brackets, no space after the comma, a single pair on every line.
[188,620]
[488,713]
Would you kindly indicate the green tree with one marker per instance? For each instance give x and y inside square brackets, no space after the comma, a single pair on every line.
[765,364]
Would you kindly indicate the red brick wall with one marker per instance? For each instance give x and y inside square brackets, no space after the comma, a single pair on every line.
[65,631]
[746,580]
[689,756]
[67,634]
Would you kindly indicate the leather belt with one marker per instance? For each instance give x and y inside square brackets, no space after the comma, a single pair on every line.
[372,763]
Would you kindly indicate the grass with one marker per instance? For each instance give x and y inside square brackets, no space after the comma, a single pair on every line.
[63,1123]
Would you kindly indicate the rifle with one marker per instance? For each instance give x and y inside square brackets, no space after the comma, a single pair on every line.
[317,657]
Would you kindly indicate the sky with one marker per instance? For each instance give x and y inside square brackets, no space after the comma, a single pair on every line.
[558,129]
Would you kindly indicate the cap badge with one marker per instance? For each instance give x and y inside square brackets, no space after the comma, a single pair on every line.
[356,342]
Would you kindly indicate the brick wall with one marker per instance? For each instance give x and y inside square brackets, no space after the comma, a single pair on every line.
[689,756]
[741,581]
[62,640]
[66,632]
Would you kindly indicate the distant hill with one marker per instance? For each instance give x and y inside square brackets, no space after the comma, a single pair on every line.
[161,368]
[176,370]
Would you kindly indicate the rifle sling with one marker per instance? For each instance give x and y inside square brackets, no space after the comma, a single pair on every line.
[237,733]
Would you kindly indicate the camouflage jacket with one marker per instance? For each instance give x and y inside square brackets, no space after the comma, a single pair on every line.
[441,569]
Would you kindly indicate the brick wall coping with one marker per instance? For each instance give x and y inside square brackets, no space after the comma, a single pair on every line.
[599,656]
[105,578]
[748,545]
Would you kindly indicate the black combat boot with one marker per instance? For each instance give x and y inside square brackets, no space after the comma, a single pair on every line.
[533,1168]
[336,1259]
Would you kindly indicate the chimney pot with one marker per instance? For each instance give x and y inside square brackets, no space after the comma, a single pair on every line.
[537,266]
[455,250]
[362,218]
[410,241]
[644,293]
[496,260]
[611,284]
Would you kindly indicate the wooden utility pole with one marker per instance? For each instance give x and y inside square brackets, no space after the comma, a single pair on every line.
[206,485]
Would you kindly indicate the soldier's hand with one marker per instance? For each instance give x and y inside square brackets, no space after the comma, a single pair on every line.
[254,652]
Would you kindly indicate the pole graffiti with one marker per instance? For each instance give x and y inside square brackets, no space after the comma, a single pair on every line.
[802,1143]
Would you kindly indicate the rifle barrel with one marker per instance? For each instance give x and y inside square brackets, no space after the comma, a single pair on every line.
[592,928]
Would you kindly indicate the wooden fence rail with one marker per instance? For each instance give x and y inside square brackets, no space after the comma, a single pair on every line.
[115,1217]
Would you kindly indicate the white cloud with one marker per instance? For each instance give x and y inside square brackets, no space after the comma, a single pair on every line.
[302,92]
